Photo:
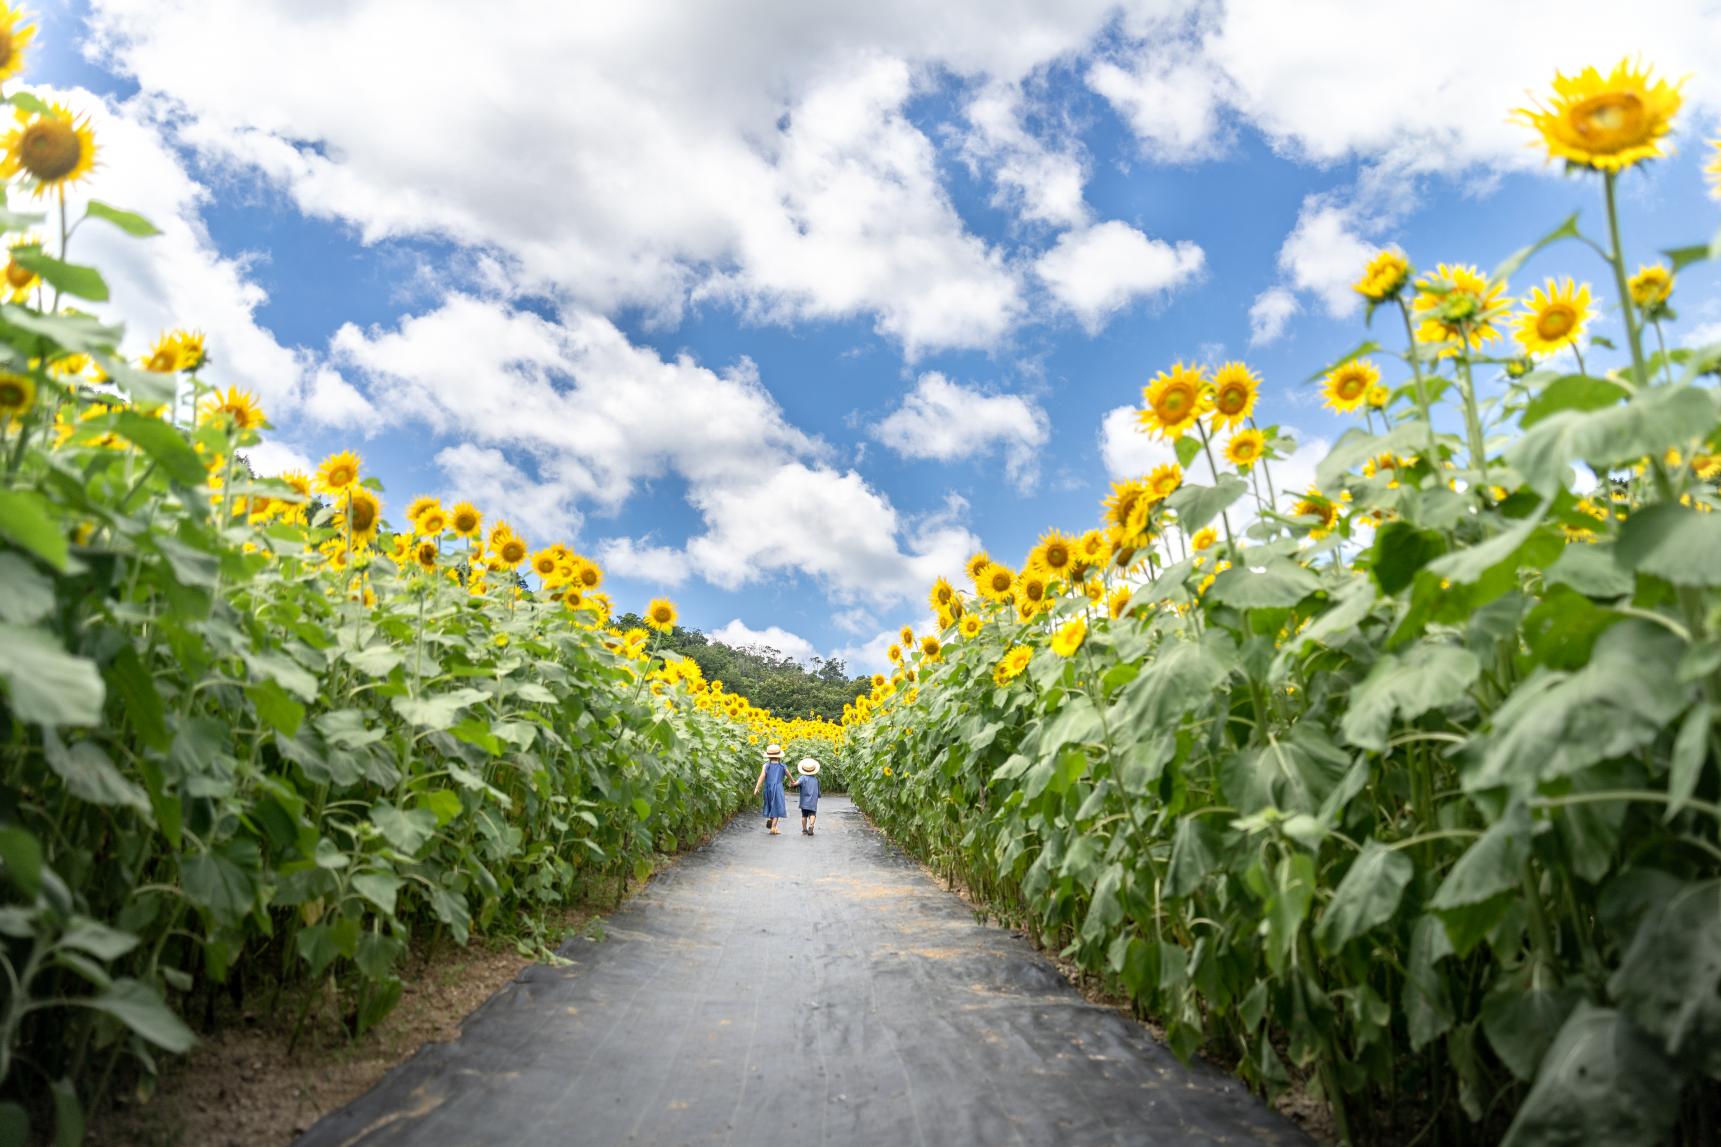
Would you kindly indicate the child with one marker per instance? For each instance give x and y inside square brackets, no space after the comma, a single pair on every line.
[808,783]
[771,775]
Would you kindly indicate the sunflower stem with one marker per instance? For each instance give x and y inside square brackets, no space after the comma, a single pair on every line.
[1214,468]
[1476,443]
[1627,308]
[1415,357]
[1661,343]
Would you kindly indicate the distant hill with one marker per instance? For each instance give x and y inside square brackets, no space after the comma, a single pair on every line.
[765,676]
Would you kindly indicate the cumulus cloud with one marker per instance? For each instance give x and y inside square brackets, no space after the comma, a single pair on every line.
[1096,272]
[1171,98]
[1126,450]
[540,511]
[1269,313]
[272,457]
[1324,255]
[1040,183]
[945,421]
[740,636]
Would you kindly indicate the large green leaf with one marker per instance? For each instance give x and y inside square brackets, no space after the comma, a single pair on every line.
[1279,584]
[1521,1021]
[140,1008]
[1198,505]
[25,522]
[1602,1081]
[130,222]
[1645,426]
[73,279]
[1294,773]
[1197,849]
[167,446]
[438,710]
[1466,900]
[1555,724]
[1470,564]
[1178,681]
[1425,678]
[1673,542]
[45,684]
[1590,570]
[1356,446]
[217,882]
[406,829]
[26,594]
[90,774]
[1367,897]
[1669,981]
[1399,550]
[1571,392]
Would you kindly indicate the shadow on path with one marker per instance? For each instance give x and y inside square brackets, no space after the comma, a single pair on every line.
[799,990]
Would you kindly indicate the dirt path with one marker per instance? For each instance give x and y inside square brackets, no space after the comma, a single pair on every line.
[810,991]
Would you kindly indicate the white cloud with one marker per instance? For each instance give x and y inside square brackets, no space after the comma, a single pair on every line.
[1098,271]
[946,421]
[1170,97]
[1040,183]
[740,636]
[271,457]
[333,401]
[872,656]
[628,557]
[177,278]
[1127,451]
[1269,313]
[854,621]
[541,511]
[1707,334]
[1324,254]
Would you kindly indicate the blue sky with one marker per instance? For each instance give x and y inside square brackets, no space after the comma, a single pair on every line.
[779,309]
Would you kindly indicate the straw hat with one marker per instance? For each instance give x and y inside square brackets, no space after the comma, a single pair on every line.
[808,767]
[774,752]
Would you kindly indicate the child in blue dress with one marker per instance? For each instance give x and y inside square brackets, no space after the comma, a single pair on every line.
[771,776]
[808,783]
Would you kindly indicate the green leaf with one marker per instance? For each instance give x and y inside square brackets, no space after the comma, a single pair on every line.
[1690,750]
[96,938]
[213,881]
[1669,980]
[14,1123]
[1078,722]
[275,708]
[1602,1081]
[130,222]
[1521,1022]
[1571,392]
[1367,346]
[24,521]
[1683,257]
[166,445]
[1293,774]
[68,1114]
[1466,900]
[72,278]
[377,660]
[406,829]
[1556,724]
[1425,678]
[1356,446]
[1469,565]
[1178,681]
[1673,542]
[90,775]
[1197,850]
[1645,426]
[1367,897]
[1400,549]
[444,804]
[1590,570]
[1198,505]
[1280,584]
[1514,261]
[327,941]
[1427,1001]
[285,672]
[21,853]
[80,334]
[26,594]
[438,710]
[379,888]
[30,102]
[140,1008]
[1187,447]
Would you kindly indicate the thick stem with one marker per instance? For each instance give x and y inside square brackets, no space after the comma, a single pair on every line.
[1474,440]
[1415,357]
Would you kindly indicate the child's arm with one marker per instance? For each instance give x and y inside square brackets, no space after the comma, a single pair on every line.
[761,781]
[796,783]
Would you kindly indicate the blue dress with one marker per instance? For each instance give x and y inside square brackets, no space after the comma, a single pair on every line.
[775,771]
[809,789]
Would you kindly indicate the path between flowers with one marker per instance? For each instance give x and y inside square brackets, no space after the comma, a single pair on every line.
[818,990]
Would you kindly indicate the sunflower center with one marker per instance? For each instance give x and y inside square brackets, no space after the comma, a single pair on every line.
[50,150]
[1352,386]
[1609,121]
[341,476]
[1000,582]
[1230,399]
[12,396]
[8,47]
[19,276]
[1057,555]
[162,362]
[1172,404]
[1556,322]
[364,517]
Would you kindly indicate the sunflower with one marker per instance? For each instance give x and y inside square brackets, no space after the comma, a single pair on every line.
[1054,556]
[660,614]
[338,473]
[1608,123]
[363,515]
[941,594]
[163,357]
[465,520]
[54,149]
[1204,538]
[15,36]
[976,565]
[1032,588]
[1164,481]
[1348,384]
[1067,640]
[425,553]
[1706,465]
[236,407]
[1122,500]
[894,653]
[1314,504]
[1119,601]
[20,280]
[588,573]
[17,395]
[930,649]
[431,523]
[1384,277]
[906,635]
[1555,314]
[1234,390]
[1456,302]
[1093,548]
[547,566]
[1174,401]
[415,510]
[1651,288]
[996,581]
[971,625]
[1010,665]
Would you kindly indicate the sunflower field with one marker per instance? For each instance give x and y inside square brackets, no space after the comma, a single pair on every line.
[249,735]
[1403,788]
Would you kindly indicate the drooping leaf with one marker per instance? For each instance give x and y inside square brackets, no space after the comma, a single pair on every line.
[72,278]
[26,595]
[1180,680]
[1198,505]
[140,1008]
[25,522]
[1669,980]
[1424,678]
[1196,850]
[1644,426]
[1673,542]
[1399,550]
[406,829]
[130,222]
[1367,897]
[90,774]
[1571,392]
[1279,584]
[1602,1081]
